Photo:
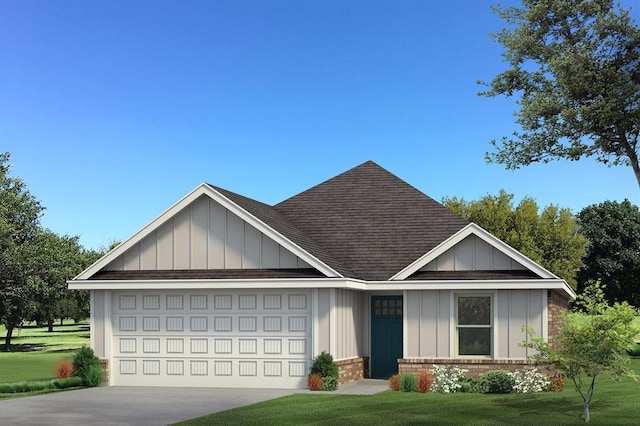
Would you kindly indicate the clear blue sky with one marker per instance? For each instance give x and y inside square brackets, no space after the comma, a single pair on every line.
[113,110]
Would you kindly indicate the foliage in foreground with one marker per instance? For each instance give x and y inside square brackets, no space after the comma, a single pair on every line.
[20,387]
[591,342]
[87,366]
[324,365]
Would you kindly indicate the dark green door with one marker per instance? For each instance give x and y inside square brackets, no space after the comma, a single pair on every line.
[386,335]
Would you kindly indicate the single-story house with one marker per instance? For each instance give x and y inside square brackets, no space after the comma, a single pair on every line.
[222,290]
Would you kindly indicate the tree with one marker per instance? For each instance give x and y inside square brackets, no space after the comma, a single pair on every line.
[613,254]
[591,342]
[19,223]
[550,238]
[575,66]
[55,260]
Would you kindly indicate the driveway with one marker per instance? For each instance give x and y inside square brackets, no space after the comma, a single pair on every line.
[128,405]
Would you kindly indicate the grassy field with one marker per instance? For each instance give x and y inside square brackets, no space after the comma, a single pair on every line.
[614,403]
[35,352]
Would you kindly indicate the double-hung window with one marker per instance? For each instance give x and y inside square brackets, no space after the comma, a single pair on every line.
[474,325]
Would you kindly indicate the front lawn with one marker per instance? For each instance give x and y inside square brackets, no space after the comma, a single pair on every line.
[35,352]
[613,403]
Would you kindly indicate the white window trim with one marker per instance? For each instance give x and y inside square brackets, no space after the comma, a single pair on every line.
[454,329]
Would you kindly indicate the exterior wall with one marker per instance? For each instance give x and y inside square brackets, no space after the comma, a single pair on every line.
[99,323]
[205,235]
[348,329]
[557,306]
[430,322]
[473,254]
[324,314]
[474,367]
[353,369]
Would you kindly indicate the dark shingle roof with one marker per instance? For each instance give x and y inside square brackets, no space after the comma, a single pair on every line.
[372,221]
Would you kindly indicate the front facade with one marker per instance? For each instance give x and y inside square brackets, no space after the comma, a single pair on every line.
[224,291]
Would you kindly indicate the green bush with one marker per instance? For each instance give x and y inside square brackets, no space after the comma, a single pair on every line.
[498,381]
[324,366]
[408,382]
[83,360]
[94,376]
[68,382]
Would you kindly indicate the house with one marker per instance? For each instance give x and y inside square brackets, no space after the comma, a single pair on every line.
[221,290]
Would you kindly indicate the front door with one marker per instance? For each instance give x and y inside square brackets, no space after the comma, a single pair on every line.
[386,335]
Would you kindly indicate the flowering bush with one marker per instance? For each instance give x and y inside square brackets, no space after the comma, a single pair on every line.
[529,381]
[446,379]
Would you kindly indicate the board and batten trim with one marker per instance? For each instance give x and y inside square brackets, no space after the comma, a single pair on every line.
[472,229]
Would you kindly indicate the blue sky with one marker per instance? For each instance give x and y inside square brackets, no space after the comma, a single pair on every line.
[113,110]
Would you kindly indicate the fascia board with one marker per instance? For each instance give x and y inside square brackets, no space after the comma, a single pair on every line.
[204,189]
[215,284]
[473,229]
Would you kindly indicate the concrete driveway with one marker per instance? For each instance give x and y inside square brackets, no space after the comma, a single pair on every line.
[128,405]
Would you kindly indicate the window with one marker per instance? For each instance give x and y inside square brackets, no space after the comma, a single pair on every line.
[474,325]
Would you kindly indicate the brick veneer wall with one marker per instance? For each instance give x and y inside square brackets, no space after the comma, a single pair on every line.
[557,305]
[475,367]
[353,369]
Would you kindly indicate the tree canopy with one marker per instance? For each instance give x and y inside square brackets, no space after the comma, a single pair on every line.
[34,262]
[549,237]
[613,254]
[575,70]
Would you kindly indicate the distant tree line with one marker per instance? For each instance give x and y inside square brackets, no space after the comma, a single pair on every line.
[35,263]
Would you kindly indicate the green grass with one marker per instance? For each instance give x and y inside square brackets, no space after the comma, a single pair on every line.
[613,403]
[35,352]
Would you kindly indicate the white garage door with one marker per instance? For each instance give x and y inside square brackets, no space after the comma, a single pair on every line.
[259,339]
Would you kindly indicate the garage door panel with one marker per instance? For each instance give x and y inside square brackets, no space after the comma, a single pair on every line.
[214,338]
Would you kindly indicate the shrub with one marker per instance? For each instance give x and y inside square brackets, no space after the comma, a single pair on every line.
[408,382]
[64,369]
[446,379]
[529,381]
[314,382]
[69,382]
[557,384]
[499,381]
[425,381]
[394,382]
[83,360]
[329,383]
[327,369]
[94,376]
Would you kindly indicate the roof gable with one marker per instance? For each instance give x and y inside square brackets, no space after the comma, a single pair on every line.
[470,250]
[206,230]
[371,220]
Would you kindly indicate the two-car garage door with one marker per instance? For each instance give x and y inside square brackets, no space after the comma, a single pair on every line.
[211,338]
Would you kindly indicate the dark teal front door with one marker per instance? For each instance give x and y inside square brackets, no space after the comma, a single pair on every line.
[386,335]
